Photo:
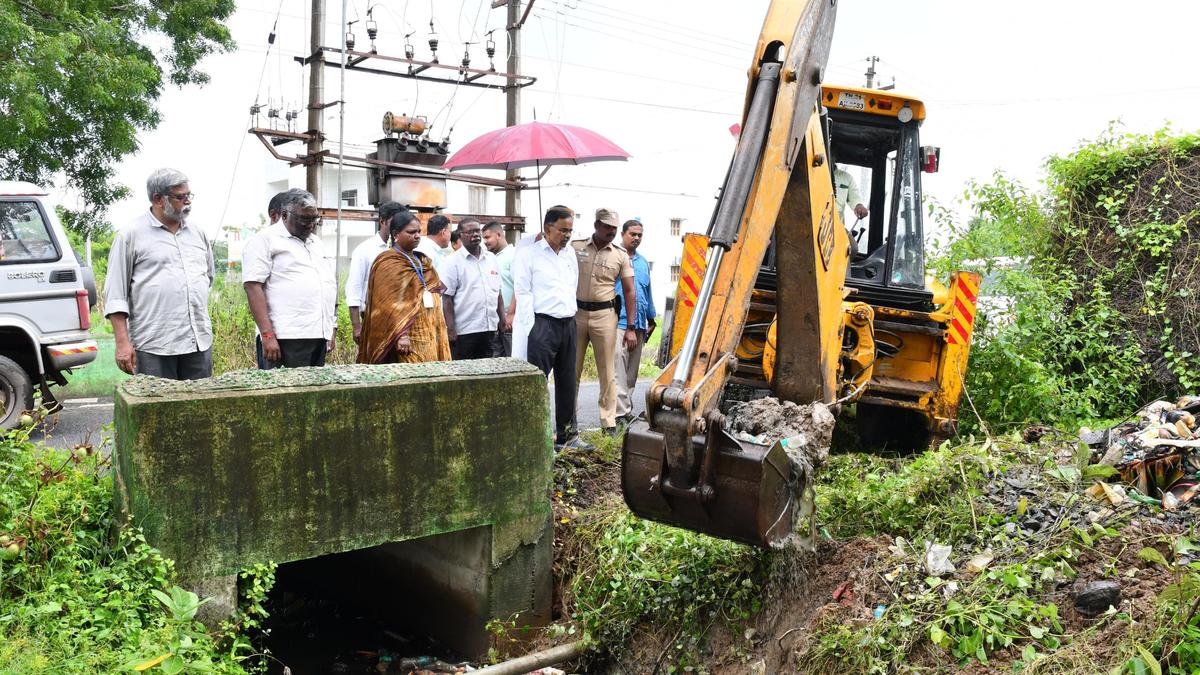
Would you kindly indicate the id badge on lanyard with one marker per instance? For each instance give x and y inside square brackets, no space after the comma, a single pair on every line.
[426,296]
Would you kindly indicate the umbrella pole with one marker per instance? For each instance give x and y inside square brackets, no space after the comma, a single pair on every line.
[538,168]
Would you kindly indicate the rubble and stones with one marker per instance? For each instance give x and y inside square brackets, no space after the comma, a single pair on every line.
[808,428]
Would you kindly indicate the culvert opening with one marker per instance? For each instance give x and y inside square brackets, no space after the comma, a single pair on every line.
[394,608]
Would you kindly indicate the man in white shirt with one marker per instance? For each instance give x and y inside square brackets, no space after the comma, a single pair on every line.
[493,238]
[360,264]
[471,302]
[291,286]
[523,321]
[548,307]
[436,242]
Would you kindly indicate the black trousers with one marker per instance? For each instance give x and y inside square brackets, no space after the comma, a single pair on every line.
[294,353]
[472,346]
[552,348]
[192,366]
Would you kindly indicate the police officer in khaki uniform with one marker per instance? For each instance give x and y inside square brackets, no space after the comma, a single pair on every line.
[601,263]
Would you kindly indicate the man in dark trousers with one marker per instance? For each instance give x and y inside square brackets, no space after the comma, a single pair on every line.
[471,302]
[545,276]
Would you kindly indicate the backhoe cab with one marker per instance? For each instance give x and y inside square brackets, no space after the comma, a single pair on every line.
[790,293]
[921,328]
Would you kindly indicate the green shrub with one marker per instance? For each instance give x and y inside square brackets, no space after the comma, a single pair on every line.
[633,571]
[1090,293]
[930,496]
[73,601]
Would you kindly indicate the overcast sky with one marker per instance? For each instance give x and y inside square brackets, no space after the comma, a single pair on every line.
[1007,84]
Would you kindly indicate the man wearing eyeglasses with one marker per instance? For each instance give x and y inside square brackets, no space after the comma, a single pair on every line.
[291,286]
[472,304]
[160,268]
[545,275]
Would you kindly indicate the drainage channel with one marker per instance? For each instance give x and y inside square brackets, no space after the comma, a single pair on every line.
[347,613]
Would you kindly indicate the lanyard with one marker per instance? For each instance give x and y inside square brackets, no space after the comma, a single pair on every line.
[416,268]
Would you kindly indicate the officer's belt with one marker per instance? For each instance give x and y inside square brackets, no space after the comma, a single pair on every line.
[598,306]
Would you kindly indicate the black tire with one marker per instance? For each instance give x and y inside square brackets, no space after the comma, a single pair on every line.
[664,343]
[16,392]
[883,427]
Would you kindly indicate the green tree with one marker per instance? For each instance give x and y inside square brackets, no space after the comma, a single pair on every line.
[80,78]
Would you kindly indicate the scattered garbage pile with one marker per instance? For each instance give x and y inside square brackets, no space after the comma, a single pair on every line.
[1157,455]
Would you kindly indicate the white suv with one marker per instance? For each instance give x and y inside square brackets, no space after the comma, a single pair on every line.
[45,299]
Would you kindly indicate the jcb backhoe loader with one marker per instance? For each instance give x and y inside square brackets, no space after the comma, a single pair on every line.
[780,296]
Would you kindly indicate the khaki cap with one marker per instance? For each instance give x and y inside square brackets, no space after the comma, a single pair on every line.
[608,217]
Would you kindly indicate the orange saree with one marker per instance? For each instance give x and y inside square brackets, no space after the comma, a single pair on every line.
[395,310]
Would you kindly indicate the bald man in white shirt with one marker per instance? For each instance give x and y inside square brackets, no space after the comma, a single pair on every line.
[548,307]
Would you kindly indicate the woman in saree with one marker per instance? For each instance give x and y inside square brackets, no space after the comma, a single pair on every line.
[403,322]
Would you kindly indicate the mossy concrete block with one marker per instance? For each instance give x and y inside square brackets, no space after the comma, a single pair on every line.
[285,465]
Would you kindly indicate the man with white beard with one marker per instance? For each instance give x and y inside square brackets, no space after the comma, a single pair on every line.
[160,269]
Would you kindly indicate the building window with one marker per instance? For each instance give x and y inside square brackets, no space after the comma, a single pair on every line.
[676,225]
[349,198]
[675,273]
[477,199]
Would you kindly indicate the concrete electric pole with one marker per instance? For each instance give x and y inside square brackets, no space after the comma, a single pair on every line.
[512,196]
[316,99]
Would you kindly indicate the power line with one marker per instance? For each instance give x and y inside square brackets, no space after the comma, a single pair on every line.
[1060,99]
[629,17]
[629,73]
[623,189]
[655,35]
[237,158]
[725,113]
[644,44]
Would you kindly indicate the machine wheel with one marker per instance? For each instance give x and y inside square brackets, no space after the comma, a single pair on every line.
[16,392]
[891,428]
[664,344]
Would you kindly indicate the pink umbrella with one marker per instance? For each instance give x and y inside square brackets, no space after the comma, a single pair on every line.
[535,144]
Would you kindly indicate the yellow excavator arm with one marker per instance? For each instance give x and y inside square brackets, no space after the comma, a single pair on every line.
[778,203]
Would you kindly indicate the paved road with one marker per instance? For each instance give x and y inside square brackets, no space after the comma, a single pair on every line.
[83,419]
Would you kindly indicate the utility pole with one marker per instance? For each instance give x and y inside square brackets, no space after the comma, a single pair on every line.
[512,196]
[871,61]
[316,100]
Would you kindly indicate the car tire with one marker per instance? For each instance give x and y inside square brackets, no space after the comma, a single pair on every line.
[16,392]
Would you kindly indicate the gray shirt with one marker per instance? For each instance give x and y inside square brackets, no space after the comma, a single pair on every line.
[161,281]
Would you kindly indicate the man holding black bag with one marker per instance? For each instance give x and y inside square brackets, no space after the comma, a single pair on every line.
[601,264]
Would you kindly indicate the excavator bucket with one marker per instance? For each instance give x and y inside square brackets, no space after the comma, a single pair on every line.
[746,495]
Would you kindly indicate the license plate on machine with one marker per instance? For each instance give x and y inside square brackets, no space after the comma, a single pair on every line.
[851,101]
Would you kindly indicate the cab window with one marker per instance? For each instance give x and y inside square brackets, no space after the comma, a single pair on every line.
[25,234]
[907,266]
